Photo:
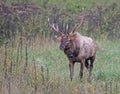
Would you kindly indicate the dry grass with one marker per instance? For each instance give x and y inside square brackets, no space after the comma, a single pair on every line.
[39,67]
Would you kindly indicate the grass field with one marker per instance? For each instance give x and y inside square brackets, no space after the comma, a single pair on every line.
[41,68]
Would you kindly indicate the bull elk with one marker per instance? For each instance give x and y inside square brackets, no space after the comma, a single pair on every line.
[77,48]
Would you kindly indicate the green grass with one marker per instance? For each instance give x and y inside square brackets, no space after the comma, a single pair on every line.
[48,72]
[86,3]
[69,5]
[108,61]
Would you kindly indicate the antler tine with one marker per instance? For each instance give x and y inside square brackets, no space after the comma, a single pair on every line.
[82,18]
[55,28]
[75,29]
[81,22]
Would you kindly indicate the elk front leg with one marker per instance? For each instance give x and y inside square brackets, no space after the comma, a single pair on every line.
[90,68]
[81,69]
[71,67]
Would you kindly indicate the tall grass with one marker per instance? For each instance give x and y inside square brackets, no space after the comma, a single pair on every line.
[40,67]
[37,66]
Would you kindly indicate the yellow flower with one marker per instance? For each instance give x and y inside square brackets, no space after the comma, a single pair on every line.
[90,88]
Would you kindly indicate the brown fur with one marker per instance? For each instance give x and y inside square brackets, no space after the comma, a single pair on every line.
[80,49]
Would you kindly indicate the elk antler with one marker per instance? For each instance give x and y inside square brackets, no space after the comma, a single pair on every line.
[81,22]
[54,27]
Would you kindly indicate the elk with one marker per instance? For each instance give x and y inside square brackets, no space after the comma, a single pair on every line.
[78,48]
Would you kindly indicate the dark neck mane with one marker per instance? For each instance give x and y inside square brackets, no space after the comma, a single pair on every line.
[72,53]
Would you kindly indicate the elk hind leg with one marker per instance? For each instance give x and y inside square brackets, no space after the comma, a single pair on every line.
[86,63]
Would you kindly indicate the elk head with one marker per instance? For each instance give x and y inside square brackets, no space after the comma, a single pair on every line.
[66,40]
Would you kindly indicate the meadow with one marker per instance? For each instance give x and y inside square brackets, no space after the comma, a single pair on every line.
[39,67]
[31,61]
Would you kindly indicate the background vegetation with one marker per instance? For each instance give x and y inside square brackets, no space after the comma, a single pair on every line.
[30,59]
